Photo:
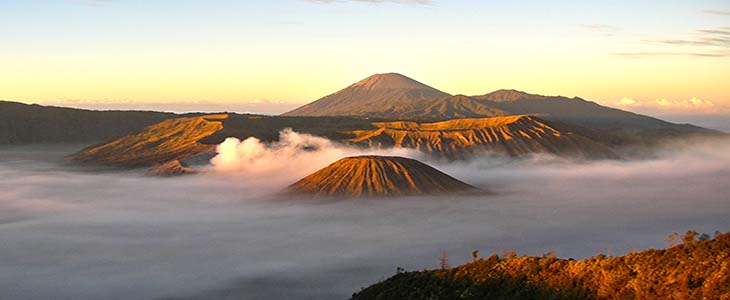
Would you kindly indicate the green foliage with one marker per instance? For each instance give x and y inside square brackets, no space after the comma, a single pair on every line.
[698,269]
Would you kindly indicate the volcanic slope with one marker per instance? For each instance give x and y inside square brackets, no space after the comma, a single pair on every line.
[449,107]
[377,95]
[378,176]
[157,144]
[511,135]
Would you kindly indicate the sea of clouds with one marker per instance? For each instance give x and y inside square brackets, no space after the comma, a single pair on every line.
[71,233]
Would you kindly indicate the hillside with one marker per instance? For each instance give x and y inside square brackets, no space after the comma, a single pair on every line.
[372,96]
[378,176]
[449,107]
[585,113]
[35,124]
[160,143]
[695,270]
[510,135]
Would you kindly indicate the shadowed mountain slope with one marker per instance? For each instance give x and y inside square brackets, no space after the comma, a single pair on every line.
[157,144]
[378,176]
[35,124]
[695,270]
[372,96]
[508,96]
[449,107]
[583,113]
[511,135]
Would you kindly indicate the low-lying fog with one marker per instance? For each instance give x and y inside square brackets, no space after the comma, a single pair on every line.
[67,233]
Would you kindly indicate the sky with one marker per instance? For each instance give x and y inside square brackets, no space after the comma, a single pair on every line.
[661,57]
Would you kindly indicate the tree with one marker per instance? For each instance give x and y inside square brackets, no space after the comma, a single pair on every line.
[672,239]
[690,237]
[443,261]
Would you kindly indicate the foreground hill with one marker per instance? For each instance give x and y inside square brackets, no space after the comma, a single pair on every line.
[376,95]
[167,141]
[695,270]
[510,135]
[378,176]
[35,124]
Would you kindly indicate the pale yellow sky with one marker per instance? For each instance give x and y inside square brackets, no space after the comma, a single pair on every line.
[118,53]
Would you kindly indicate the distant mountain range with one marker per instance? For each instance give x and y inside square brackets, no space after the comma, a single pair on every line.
[394,96]
[383,110]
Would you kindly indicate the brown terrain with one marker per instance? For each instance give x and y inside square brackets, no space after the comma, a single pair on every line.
[171,168]
[449,107]
[169,140]
[378,176]
[511,135]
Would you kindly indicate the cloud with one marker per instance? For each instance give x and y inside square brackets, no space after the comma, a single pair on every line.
[408,2]
[717,12]
[659,54]
[708,42]
[718,37]
[670,106]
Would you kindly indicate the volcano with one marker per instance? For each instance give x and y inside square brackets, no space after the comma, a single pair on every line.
[510,135]
[372,96]
[379,176]
[170,140]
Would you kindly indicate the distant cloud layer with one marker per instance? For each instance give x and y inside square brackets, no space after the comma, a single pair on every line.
[662,105]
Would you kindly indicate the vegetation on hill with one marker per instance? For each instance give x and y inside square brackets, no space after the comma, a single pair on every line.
[696,269]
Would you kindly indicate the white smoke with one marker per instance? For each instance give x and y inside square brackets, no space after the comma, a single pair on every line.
[293,156]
